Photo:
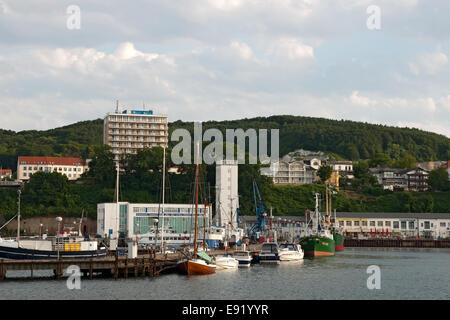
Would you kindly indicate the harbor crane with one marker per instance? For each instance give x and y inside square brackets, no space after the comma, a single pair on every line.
[260,224]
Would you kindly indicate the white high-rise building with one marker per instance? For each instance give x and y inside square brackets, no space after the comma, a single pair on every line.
[129,130]
[227,199]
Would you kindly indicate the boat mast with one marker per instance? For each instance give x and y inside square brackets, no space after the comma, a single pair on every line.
[18,216]
[163,193]
[196,205]
[117,199]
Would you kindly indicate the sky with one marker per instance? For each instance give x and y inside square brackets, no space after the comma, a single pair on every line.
[205,60]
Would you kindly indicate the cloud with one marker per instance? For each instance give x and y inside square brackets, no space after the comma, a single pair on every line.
[360,100]
[429,63]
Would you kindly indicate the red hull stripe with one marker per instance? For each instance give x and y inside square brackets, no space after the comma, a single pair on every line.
[339,247]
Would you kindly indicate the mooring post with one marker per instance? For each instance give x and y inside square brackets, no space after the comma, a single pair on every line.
[31,268]
[126,267]
[90,269]
[2,270]
[135,267]
[116,266]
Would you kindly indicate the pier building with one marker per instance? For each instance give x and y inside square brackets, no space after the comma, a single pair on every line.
[126,220]
[227,198]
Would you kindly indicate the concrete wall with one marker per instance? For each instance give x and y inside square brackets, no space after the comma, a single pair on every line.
[32,225]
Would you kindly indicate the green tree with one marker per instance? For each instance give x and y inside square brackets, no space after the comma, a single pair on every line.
[324,172]
[407,161]
[438,180]
[102,167]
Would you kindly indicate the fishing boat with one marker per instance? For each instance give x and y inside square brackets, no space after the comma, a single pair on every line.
[269,253]
[199,263]
[290,252]
[65,245]
[319,241]
[338,236]
[226,262]
[243,257]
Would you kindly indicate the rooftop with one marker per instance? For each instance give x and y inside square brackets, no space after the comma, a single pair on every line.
[51,161]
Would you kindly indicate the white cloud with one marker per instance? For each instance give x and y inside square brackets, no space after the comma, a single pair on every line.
[292,49]
[429,63]
[358,100]
[242,49]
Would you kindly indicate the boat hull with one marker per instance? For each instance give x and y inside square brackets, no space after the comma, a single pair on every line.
[29,254]
[338,241]
[193,268]
[318,246]
[291,256]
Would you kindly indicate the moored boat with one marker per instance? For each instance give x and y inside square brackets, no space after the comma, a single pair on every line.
[193,267]
[226,262]
[243,257]
[269,253]
[318,246]
[338,241]
[290,252]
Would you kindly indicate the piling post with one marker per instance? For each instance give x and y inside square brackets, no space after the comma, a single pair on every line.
[126,267]
[2,270]
[90,269]
[31,268]
[116,266]
[143,266]
[136,267]
[58,269]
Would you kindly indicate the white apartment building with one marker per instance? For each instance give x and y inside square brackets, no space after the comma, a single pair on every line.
[295,172]
[72,168]
[130,130]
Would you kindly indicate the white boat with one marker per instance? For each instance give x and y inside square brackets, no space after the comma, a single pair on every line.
[290,252]
[269,253]
[243,257]
[226,262]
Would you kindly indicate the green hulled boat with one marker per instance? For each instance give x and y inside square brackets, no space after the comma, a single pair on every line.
[318,246]
[338,241]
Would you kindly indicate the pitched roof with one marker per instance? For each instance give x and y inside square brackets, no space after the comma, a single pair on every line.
[51,161]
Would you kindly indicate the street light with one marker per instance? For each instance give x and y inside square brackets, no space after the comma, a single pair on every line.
[40,229]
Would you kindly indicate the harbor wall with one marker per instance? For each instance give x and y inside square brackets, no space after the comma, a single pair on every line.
[50,226]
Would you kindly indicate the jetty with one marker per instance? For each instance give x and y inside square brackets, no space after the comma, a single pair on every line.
[397,243]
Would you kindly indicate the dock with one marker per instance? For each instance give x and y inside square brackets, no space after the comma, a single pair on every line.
[112,266]
[397,243]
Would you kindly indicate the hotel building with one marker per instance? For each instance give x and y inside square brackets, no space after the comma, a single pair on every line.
[72,168]
[130,130]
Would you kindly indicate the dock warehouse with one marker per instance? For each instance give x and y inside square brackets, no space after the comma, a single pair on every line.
[129,219]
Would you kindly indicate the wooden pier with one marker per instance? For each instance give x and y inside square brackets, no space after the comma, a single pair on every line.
[113,266]
[397,243]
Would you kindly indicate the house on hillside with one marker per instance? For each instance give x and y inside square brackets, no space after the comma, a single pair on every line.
[295,172]
[417,179]
[5,174]
[414,179]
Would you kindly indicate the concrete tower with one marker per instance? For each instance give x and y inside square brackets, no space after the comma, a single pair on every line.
[227,199]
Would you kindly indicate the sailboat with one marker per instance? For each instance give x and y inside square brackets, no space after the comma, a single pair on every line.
[320,241]
[200,263]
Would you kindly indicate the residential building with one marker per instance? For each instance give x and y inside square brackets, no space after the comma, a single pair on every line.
[345,168]
[390,178]
[126,220]
[365,224]
[129,130]
[5,174]
[334,179]
[72,168]
[417,179]
[295,172]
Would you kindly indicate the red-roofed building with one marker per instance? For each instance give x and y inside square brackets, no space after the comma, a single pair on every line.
[5,173]
[73,168]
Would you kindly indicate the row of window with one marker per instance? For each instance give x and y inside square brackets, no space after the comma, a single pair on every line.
[47,169]
[29,174]
[395,224]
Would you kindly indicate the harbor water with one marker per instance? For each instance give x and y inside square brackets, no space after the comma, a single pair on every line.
[405,274]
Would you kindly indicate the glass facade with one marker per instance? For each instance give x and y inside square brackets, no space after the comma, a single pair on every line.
[178,224]
[123,217]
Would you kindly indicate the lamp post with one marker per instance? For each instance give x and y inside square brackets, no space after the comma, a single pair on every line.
[155,222]
[40,229]
[58,220]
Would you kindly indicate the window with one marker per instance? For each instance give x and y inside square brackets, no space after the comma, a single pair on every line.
[442,224]
[356,223]
[411,225]
[372,223]
[70,175]
[65,169]
[427,225]
[380,223]
[395,224]
[387,223]
[341,223]
[24,174]
[348,223]
[70,169]
[40,168]
[403,225]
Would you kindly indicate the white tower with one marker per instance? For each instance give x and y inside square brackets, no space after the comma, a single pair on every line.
[227,200]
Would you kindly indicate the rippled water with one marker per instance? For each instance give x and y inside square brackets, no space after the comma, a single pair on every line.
[405,274]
